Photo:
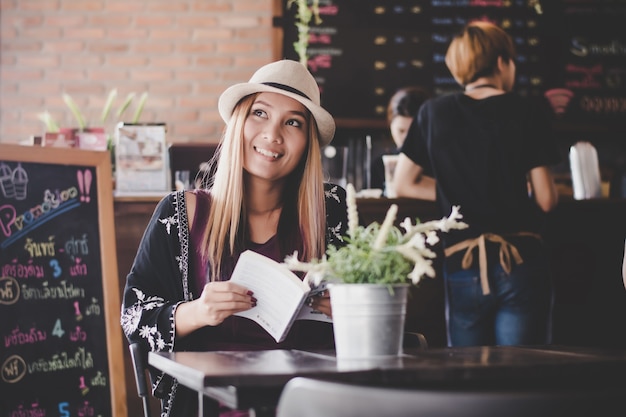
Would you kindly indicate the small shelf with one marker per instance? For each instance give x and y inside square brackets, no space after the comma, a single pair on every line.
[600,127]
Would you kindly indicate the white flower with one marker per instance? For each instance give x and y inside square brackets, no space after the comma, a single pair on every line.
[384,229]
[432,238]
[451,222]
[421,268]
[379,254]
[292,262]
[353,214]
[445,224]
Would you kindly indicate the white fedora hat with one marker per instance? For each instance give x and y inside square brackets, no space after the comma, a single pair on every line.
[286,77]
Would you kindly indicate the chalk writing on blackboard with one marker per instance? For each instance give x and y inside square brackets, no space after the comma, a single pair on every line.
[361,52]
[54,359]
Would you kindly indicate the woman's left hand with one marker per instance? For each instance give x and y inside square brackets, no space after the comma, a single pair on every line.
[321,303]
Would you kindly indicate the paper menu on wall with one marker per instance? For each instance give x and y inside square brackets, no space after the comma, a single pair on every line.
[280,294]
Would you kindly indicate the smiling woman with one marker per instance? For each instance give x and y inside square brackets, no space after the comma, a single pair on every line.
[267,195]
[275,137]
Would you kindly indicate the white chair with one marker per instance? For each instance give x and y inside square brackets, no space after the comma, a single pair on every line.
[306,397]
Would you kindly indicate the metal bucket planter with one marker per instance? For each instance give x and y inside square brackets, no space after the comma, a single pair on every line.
[368,319]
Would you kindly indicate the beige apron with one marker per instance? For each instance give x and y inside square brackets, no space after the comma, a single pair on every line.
[507,251]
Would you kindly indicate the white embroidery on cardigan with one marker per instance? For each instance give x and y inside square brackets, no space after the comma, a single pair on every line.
[332,193]
[168,222]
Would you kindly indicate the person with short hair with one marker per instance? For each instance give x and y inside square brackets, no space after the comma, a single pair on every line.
[483,146]
[401,110]
[268,195]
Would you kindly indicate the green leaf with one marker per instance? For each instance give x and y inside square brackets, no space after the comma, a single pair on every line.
[125,104]
[107,106]
[51,124]
[74,109]
[142,102]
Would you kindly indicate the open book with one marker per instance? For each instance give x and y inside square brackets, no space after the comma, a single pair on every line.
[280,294]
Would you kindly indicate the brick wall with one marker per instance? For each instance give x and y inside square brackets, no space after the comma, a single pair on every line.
[184,53]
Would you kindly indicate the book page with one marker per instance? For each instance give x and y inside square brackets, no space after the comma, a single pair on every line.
[279,292]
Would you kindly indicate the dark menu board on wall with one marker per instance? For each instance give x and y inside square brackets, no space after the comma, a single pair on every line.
[588,41]
[59,298]
[361,51]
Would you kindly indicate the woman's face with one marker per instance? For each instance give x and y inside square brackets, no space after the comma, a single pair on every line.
[399,127]
[275,136]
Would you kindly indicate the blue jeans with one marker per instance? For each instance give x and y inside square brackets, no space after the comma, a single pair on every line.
[517,311]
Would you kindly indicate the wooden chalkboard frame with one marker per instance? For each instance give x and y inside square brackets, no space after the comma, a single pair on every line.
[101,162]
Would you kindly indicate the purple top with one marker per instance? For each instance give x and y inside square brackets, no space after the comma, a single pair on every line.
[240,333]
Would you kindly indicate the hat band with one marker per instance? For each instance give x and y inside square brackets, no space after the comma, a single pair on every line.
[287,88]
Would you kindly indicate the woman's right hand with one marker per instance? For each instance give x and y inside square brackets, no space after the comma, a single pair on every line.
[218,301]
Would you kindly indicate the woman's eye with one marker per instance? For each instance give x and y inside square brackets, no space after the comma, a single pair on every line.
[294,122]
[259,113]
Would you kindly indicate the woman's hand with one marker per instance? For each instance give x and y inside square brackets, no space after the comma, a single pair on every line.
[218,301]
[321,303]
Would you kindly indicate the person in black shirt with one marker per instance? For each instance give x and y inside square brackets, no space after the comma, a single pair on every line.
[489,150]
[401,110]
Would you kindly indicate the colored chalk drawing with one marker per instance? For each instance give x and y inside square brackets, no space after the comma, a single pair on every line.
[56,332]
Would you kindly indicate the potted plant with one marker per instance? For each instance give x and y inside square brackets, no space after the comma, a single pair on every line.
[83,135]
[369,278]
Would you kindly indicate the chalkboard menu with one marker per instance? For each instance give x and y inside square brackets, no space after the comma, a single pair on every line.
[59,299]
[588,60]
[360,51]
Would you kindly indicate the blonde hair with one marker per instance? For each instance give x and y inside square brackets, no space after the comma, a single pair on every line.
[226,225]
[474,52]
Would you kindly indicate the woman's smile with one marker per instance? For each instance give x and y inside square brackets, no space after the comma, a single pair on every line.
[267,152]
